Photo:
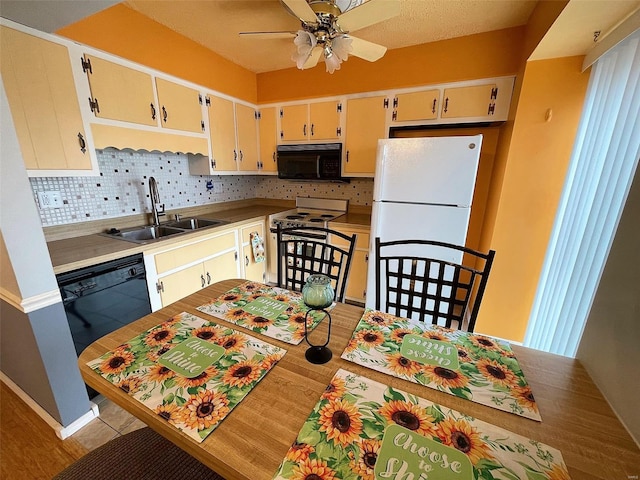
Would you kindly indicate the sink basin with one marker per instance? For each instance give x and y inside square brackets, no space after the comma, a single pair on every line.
[195,223]
[146,234]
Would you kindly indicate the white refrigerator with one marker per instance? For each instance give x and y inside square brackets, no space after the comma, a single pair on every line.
[423,189]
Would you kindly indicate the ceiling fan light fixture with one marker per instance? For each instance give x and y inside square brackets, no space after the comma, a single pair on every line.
[331,60]
[341,46]
[305,42]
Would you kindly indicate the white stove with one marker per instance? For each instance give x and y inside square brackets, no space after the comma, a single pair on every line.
[309,212]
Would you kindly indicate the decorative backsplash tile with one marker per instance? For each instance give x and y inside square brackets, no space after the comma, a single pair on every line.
[122,188]
[358,192]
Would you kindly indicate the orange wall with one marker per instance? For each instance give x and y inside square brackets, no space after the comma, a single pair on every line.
[541,19]
[122,31]
[483,55]
[539,154]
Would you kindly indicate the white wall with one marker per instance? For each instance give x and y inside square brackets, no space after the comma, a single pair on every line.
[610,345]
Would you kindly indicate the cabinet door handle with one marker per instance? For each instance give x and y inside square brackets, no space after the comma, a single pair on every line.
[159,286]
[153,112]
[246,261]
[274,157]
[235,156]
[164,114]
[304,130]
[347,156]
[208,279]
[83,144]
[446,105]
[241,155]
[366,257]
[202,279]
[312,129]
[433,108]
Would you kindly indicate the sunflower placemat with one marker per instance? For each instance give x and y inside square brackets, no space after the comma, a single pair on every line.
[363,429]
[475,367]
[189,371]
[271,311]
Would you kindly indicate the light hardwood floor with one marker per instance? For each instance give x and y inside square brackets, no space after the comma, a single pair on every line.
[30,449]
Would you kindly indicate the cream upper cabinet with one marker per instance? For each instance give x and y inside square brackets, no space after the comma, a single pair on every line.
[416,106]
[247,138]
[474,101]
[120,93]
[311,122]
[366,123]
[180,107]
[267,124]
[293,123]
[223,134]
[38,80]
[325,120]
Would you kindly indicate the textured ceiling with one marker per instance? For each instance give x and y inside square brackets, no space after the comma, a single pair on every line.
[216,24]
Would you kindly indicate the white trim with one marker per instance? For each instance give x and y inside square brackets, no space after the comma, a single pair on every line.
[612,38]
[31,304]
[61,432]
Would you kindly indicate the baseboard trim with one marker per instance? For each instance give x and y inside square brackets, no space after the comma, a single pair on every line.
[61,432]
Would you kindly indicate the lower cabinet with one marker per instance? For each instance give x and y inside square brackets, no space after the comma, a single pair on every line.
[252,268]
[357,282]
[177,271]
[182,269]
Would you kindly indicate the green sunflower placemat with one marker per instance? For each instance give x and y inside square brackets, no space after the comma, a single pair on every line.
[362,429]
[189,371]
[271,311]
[475,367]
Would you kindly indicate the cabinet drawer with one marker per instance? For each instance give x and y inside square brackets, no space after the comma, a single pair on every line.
[190,253]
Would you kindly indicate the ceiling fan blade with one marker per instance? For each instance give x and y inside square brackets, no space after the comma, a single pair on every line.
[368,13]
[267,35]
[301,9]
[312,61]
[366,50]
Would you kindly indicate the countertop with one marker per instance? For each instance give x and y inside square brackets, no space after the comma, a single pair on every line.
[82,251]
[86,250]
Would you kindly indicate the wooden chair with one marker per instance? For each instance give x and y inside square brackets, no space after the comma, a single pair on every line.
[439,289]
[305,251]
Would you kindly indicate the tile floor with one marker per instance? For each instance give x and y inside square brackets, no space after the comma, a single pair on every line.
[112,422]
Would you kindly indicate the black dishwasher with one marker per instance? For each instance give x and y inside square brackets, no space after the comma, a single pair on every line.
[104,297]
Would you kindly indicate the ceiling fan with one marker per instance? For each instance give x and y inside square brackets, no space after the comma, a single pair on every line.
[326,27]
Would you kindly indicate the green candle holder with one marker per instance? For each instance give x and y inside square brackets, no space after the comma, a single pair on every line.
[318,294]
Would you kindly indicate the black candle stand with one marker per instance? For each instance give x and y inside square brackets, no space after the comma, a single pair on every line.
[317,354]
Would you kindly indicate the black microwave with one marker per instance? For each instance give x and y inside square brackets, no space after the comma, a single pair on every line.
[310,162]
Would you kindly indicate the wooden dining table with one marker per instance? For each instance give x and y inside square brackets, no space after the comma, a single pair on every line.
[251,442]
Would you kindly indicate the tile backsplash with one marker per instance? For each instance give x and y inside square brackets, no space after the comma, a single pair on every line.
[122,188]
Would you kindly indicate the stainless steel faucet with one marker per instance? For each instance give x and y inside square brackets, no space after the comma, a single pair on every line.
[156,207]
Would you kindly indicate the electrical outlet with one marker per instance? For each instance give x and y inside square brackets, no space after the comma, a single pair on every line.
[49,199]
[217,187]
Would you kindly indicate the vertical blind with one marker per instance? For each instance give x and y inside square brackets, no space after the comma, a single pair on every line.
[601,169]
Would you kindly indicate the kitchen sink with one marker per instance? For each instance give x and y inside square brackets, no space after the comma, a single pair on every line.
[145,234]
[148,234]
[195,223]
